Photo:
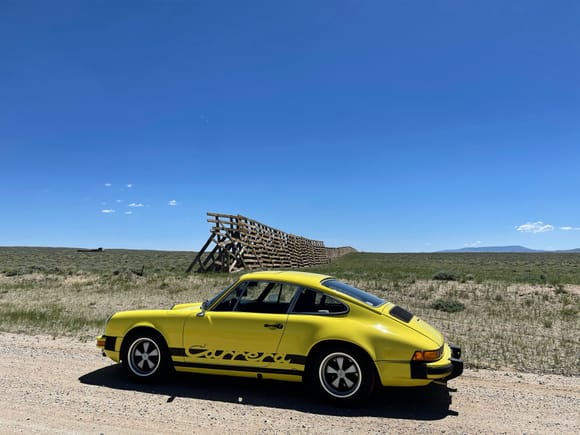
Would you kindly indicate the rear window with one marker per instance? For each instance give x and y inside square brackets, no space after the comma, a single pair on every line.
[367,298]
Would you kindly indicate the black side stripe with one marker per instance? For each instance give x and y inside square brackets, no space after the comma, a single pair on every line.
[296,359]
[238,368]
[177,351]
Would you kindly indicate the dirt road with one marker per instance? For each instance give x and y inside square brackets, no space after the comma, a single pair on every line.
[64,386]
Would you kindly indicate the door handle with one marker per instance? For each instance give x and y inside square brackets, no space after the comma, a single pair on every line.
[273,325]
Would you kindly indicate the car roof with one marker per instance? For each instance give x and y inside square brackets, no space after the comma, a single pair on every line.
[303,278]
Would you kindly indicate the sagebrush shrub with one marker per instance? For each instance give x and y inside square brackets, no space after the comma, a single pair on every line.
[448,305]
[446,276]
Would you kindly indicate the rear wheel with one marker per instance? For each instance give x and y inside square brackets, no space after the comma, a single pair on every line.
[145,356]
[342,374]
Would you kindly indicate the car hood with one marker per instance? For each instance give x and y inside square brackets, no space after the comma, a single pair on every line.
[413,322]
[193,306]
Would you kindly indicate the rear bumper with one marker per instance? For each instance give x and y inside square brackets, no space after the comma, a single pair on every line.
[449,367]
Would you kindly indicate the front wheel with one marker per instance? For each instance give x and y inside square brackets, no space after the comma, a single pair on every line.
[342,375]
[145,357]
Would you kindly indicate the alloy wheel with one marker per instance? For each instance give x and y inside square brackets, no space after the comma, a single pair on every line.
[340,375]
[144,357]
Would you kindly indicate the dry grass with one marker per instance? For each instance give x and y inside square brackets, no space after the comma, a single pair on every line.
[80,304]
[521,326]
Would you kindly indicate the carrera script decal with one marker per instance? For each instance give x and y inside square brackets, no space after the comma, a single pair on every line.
[256,357]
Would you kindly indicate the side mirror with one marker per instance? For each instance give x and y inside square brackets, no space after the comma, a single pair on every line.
[203,309]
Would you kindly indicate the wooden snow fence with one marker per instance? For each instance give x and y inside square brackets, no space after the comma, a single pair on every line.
[237,242]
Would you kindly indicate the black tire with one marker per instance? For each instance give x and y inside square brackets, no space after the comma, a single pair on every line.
[145,356]
[342,375]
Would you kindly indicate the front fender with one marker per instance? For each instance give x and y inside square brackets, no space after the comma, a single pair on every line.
[165,322]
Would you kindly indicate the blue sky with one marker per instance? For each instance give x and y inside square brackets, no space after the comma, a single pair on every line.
[389,126]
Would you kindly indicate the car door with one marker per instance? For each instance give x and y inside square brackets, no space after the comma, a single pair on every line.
[242,331]
[314,317]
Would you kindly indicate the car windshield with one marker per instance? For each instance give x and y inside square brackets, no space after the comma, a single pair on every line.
[210,302]
[367,298]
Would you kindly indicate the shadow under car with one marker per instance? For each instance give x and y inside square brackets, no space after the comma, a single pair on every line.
[417,403]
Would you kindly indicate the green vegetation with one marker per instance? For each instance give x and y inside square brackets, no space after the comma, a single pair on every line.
[519,311]
[531,268]
[446,276]
[447,305]
[22,261]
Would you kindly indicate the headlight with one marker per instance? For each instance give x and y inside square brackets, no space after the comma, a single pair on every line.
[428,355]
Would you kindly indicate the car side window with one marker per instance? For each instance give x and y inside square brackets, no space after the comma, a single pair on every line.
[259,297]
[313,302]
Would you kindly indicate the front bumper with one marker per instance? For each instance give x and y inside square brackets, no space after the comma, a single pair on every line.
[106,342]
[456,361]
[449,367]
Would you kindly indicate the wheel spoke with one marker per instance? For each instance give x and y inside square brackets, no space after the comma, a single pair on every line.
[351,369]
[348,382]
[339,362]
[154,352]
[331,370]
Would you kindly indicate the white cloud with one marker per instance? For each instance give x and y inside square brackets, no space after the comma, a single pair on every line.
[108,184]
[570,228]
[128,212]
[129,186]
[535,227]
[107,211]
[136,204]
[473,245]
[172,203]
[119,201]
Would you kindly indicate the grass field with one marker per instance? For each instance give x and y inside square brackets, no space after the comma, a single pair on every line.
[519,311]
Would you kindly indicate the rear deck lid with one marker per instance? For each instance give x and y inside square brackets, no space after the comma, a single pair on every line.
[401,315]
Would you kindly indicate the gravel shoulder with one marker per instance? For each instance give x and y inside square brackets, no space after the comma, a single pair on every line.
[64,386]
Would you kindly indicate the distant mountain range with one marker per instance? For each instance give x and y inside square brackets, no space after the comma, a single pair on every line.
[507,249]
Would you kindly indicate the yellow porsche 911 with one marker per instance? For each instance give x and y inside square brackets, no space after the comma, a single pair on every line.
[292,326]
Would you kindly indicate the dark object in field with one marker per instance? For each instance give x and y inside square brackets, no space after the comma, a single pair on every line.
[90,250]
[446,276]
[448,305]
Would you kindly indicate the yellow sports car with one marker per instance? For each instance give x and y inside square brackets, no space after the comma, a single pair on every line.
[292,326]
